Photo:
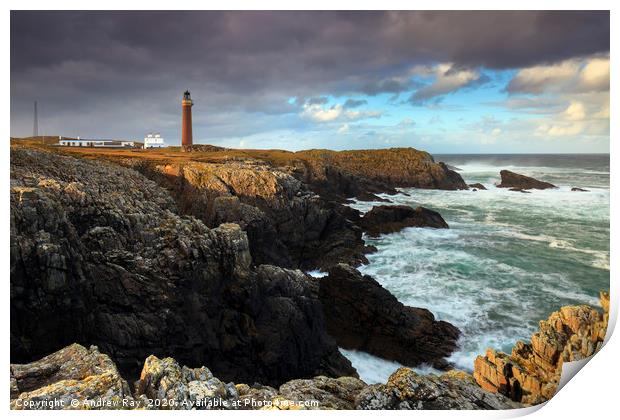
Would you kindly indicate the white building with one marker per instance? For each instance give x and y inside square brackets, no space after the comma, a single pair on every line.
[95,143]
[153,140]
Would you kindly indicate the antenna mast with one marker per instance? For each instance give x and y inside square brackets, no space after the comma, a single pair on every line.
[35,128]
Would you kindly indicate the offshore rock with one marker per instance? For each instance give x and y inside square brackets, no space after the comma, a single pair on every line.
[477,186]
[579,189]
[387,219]
[360,314]
[518,182]
[531,373]
[407,390]
[100,255]
[73,373]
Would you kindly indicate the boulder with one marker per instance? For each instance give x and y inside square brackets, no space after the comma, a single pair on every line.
[407,390]
[72,378]
[100,255]
[477,186]
[531,373]
[522,182]
[360,314]
[387,219]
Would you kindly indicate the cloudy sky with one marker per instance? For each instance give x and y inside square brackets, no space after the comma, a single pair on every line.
[461,82]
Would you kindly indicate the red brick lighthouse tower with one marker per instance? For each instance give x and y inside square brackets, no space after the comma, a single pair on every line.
[186,129]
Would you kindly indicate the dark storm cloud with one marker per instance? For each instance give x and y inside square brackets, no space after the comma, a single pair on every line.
[253,61]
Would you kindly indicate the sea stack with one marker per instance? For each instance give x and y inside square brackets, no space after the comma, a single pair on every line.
[186,129]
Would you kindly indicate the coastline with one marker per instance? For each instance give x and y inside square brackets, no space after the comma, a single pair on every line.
[218,195]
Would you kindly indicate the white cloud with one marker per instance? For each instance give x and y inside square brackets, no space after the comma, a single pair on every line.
[324,114]
[589,74]
[343,128]
[576,111]
[319,114]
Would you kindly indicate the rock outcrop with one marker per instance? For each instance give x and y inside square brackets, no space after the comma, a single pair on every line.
[531,373]
[100,255]
[360,314]
[518,182]
[77,378]
[407,390]
[287,224]
[73,374]
[387,219]
[477,186]
[577,189]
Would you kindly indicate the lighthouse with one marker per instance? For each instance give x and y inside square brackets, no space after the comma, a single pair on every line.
[186,129]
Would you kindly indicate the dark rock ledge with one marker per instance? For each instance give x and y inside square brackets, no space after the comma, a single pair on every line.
[387,219]
[360,314]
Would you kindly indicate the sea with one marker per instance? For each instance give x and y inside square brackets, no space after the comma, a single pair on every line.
[509,258]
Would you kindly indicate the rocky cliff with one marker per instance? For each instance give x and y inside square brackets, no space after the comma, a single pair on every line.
[531,373]
[287,224]
[364,173]
[100,255]
[80,378]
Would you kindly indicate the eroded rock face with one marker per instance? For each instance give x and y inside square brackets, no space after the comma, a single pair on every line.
[387,219]
[100,255]
[73,373]
[360,314]
[287,224]
[531,373]
[518,182]
[407,390]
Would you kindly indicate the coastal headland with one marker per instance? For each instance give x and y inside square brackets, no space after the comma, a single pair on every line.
[202,257]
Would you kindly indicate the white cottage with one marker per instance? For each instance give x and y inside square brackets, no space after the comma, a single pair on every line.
[153,140]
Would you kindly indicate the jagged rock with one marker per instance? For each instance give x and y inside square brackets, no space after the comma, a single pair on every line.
[185,388]
[182,388]
[531,373]
[71,374]
[387,219]
[477,186]
[579,189]
[100,255]
[360,314]
[89,377]
[407,390]
[519,182]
